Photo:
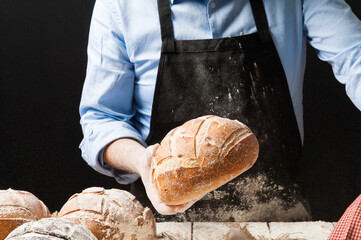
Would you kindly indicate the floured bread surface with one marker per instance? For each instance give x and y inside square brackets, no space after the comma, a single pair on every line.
[51,228]
[18,207]
[110,214]
[200,156]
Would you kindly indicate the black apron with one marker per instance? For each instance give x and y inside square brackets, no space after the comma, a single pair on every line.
[239,78]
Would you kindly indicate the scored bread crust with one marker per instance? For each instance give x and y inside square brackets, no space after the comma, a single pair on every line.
[51,228]
[110,214]
[18,207]
[200,156]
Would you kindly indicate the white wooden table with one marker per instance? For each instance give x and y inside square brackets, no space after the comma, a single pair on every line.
[244,231]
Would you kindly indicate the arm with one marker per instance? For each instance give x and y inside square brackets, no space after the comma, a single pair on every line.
[335,32]
[128,155]
[106,102]
[111,144]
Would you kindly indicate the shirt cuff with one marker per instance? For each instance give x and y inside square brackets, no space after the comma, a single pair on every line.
[94,143]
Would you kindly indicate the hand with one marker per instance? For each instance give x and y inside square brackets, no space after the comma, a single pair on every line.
[129,155]
[146,175]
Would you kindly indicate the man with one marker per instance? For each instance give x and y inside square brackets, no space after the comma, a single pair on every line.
[154,65]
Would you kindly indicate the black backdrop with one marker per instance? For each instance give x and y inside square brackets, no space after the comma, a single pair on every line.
[42,69]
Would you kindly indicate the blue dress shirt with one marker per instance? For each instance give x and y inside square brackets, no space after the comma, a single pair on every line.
[124,50]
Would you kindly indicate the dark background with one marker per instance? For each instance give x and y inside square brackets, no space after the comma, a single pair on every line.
[42,69]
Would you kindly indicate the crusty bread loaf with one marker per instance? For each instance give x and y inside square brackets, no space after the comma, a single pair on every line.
[51,229]
[18,207]
[200,156]
[110,214]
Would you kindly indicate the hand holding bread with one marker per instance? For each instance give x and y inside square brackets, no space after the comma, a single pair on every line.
[131,156]
[200,156]
[151,190]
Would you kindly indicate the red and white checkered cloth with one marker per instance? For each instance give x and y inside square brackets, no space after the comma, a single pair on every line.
[349,226]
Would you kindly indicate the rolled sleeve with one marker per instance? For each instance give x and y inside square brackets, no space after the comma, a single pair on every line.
[335,32]
[347,69]
[106,106]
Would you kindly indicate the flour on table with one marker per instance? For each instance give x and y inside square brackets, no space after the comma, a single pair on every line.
[249,199]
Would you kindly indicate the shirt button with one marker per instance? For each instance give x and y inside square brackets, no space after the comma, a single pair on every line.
[213,5]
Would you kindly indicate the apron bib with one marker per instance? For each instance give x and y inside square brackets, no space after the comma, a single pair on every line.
[239,78]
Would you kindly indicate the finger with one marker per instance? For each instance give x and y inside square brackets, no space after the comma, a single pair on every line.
[183,207]
[155,148]
[173,209]
[151,150]
[153,196]
[161,207]
[165,209]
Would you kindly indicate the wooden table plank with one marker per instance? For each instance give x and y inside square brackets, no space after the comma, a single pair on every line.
[245,230]
[231,231]
[174,230]
[301,230]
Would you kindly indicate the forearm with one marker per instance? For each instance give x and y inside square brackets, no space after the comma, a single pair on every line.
[125,154]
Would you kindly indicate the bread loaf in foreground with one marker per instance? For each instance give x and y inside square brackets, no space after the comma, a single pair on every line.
[200,156]
[110,214]
[51,229]
[18,207]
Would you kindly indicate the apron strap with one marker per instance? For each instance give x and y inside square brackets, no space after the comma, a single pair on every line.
[260,18]
[166,26]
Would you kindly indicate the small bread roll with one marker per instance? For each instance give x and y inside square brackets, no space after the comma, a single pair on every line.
[110,214]
[51,228]
[200,156]
[18,207]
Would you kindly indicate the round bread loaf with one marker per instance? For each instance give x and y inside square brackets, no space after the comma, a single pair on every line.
[18,207]
[110,214]
[200,156]
[51,228]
